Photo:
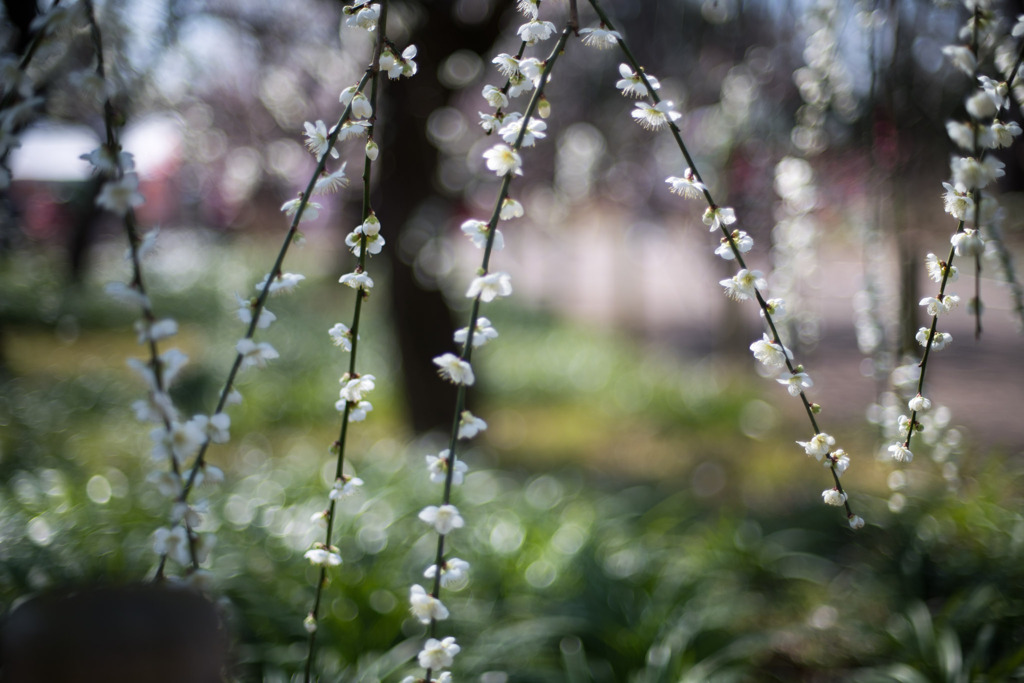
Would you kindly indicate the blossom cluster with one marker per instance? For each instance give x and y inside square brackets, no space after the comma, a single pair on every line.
[967,197]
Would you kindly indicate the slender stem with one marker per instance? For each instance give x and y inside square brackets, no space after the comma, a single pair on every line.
[809,408]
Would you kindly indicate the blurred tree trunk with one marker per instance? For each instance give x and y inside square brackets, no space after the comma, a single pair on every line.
[422,319]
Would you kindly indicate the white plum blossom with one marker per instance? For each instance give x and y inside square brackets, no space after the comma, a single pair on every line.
[437,467]
[819,445]
[126,294]
[534,31]
[489,122]
[510,208]
[173,543]
[478,230]
[968,242]
[958,201]
[155,331]
[744,284]
[282,284]
[329,183]
[323,557]
[309,213]
[796,382]
[534,130]
[833,497]
[1002,134]
[254,354]
[939,341]
[120,196]
[856,522]
[962,57]
[507,65]
[935,306]
[353,388]
[919,404]
[357,280]
[495,97]
[454,369]
[970,172]
[654,116]
[454,573]
[438,654]
[719,216]
[363,15]
[470,425]
[740,239]
[839,460]
[770,353]
[483,333]
[352,129]
[345,487]
[370,229]
[600,37]
[491,286]
[317,140]
[900,453]
[360,109]
[356,411]
[105,161]
[425,606]
[687,186]
[529,8]
[631,83]
[444,519]
[341,336]
[503,160]
[937,269]
[372,149]
[244,313]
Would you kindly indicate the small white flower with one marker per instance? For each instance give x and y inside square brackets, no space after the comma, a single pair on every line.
[503,160]
[958,201]
[632,85]
[919,404]
[218,428]
[510,208]
[454,369]
[244,313]
[316,140]
[353,389]
[478,230]
[309,623]
[495,97]
[489,122]
[362,15]
[900,453]
[528,7]
[372,149]
[341,336]
[309,213]
[470,425]
[329,183]
[1002,134]
[126,294]
[425,606]
[345,487]
[687,186]
[839,460]
[282,284]
[119,196]
[370,229]
[856,522]
[444,518]
[484,333]
[938,269]
[348,93]
[935,306]
[740,239]
[323,557]
[971,173]
[770,353]
[534,130]
[796,382]
[173,543]
[357,411]
[744,284]
[968,242]
[654,116]
[962,57]
[833,497]
[352,129]
[489,287]
[819,445]
[254,354]
[507,64]
[357,281]
[438,654]
[719,216]
[454,573]
[939,341]
[437,467]
[600,37]
[160,329]
[533,31]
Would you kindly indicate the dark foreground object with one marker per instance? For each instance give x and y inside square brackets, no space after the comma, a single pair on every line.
[139,634]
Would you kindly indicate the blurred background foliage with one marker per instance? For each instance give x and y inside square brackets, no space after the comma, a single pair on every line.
[637,510]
